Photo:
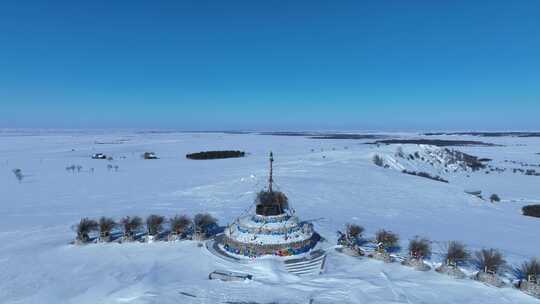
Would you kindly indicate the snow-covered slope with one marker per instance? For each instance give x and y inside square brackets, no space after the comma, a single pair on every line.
[428,158]
[328,181]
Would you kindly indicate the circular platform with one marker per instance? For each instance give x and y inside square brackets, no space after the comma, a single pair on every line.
[212,246]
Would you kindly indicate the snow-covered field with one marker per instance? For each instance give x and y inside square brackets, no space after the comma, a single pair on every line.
[331,182]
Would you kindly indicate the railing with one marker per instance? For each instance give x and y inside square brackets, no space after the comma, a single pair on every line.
[270,219]
[254,250]
[277,231]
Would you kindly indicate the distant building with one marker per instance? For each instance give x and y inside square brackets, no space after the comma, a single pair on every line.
[99,156]
[150,155]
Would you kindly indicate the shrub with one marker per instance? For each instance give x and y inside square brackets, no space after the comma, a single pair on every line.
[532,172]
[354,231]
[131,225]
[386,238]
[154,224]
[399,152]
[84,228]
[494,198]
[273,197]
[18,174]
[180,224]
[456,253]
[271,203]
[489,260]
[378,160]
[106,225]
[530,270]
[419,248]
[531,210]
[203,222]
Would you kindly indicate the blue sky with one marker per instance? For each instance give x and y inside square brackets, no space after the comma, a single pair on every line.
[296,65]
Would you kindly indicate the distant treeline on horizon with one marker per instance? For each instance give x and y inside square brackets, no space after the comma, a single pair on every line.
[216,154]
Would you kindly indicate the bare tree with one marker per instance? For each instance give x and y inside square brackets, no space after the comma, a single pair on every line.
[202,222]
[354,231]
[273,197]
[84,228]
[378,160]
[18,174]
[351,236]
[154,224]
[489,260]
[180,224]
[131,225]
[456,253]
[71,168]
[530,271]
[419,248]
[106,225]
[386,239]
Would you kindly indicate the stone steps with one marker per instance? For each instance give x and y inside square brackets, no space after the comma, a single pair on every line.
[306,266]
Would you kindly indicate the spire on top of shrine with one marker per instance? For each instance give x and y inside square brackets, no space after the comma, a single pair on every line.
[270,179]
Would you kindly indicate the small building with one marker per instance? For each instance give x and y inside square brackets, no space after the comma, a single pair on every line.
[150,155]
[99,156]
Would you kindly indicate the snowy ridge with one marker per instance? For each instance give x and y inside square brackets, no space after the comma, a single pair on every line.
[427,158]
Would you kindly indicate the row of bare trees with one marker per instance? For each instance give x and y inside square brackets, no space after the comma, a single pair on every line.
[74,168]
[489,262]
[153,228]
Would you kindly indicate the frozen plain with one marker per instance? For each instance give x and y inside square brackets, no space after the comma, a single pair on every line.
[38,266]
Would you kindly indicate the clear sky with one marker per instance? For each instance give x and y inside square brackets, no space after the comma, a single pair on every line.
[295,65]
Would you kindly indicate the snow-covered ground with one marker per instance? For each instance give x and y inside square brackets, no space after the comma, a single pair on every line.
[331,182]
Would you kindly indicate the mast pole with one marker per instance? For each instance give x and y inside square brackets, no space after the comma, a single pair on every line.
[270,179]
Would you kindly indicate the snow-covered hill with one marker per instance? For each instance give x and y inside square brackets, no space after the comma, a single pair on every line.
[436,161]
[329,181]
